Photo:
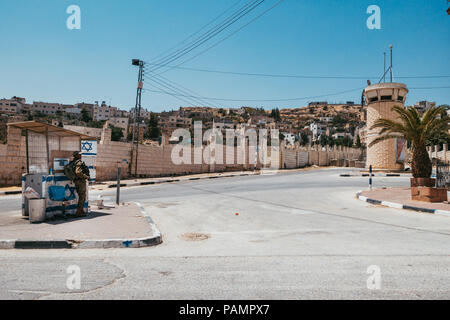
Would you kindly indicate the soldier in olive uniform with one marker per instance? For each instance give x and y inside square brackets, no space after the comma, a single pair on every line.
[81,172]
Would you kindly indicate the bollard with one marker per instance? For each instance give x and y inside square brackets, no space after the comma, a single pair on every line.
[118,186]
[370,177]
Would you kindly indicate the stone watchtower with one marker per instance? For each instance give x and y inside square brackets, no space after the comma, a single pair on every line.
[380,99]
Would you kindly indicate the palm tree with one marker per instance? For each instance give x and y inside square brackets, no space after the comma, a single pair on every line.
[418,131]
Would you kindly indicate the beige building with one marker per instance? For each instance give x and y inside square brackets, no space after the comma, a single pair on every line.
[11,106]
[144,113]
[47,108]
[120,122]
[87,106]
[173,122]
[423,106]
[104,112]
[381,98]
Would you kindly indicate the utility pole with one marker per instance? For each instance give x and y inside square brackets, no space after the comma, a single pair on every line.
[137,112]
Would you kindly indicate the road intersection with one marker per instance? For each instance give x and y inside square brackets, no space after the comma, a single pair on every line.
[293,235]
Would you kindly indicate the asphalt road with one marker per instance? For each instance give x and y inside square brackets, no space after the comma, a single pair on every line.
[299,235]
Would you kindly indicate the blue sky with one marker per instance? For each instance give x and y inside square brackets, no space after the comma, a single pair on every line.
[42,60]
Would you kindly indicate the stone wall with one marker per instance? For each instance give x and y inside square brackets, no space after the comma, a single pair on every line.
[12,158]
[110,155]
[155,161]
[301,157]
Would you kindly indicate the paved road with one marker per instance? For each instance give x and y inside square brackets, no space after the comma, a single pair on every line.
[297,235]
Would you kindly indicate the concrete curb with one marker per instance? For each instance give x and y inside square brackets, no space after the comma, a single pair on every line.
[375,175]
[145,183]
[154,239]
[135,184]
[401,206]
[10,192]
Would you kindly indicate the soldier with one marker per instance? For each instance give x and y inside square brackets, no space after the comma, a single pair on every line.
[81,175]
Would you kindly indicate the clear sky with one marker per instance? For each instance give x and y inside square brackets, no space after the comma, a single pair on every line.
[42,60]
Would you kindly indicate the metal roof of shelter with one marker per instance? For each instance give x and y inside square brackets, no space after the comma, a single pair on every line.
[40,127]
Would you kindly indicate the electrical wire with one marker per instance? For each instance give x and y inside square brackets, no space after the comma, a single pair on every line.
[210,34]
[419,88]
[265,100]
[196,32]
[183,91]
[227,37]
[300,76]
[171,94]
[179,88]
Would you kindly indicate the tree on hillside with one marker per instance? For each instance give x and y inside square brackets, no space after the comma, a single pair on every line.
[275,114]
[153,131]
[85,116]
[304,138]
[358,141]
[416,130]
[116,133]
[347,141]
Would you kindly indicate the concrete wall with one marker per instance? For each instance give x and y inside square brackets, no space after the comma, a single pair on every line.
[301,157]
[154,161]
[12,158]
[110,156]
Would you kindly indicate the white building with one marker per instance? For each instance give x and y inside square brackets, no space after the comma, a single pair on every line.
[289,138]
[338,135]
[74,110]
[317,129]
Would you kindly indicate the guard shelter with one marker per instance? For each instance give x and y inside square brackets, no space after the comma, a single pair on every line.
[48,149]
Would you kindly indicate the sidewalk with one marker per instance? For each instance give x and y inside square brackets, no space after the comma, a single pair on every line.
[400,198]
[124,226]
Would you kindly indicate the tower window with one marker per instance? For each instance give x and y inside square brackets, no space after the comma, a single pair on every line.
[400,98]
[374,99]
[386,98]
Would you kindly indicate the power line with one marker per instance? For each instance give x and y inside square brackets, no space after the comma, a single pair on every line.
[213,31]
[227,37]
[198,31]
[299,76]
[171,94]
[250,6]
[178,87]
[172,86]
[264,100]
[194,100]
[418,88]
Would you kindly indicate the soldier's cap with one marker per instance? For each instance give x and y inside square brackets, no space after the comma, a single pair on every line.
[76,153]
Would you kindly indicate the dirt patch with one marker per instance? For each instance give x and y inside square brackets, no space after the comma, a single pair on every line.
[194,236]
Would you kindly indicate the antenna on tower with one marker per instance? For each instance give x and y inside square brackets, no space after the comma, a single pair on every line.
[384,67]
[390,68]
